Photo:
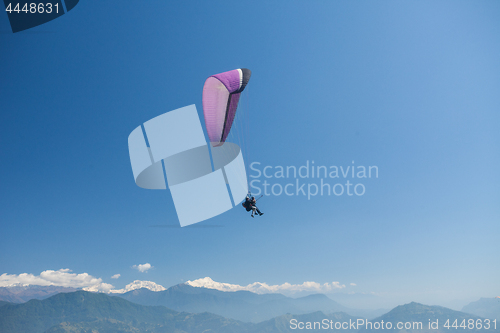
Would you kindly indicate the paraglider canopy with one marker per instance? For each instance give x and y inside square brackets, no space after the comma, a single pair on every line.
[221,94]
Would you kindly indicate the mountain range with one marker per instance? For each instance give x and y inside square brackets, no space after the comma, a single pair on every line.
[185,308]
[23,293]
[240,305]
[83,311]
[432,319]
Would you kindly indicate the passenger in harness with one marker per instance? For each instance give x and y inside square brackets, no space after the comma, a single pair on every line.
[250,205]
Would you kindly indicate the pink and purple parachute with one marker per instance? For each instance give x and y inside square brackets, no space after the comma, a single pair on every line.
[221,94]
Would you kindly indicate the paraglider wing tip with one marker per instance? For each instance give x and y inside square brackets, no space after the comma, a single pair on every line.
[246,73]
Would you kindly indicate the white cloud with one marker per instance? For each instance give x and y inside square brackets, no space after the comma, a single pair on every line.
[65,278]
[353,284]
[264,288]
[137,284]
[62,278]
[143,267]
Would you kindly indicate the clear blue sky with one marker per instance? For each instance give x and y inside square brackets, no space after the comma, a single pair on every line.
[412,87]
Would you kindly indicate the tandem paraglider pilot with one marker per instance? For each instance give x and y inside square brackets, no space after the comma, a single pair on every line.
[250,204]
